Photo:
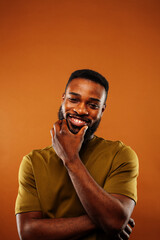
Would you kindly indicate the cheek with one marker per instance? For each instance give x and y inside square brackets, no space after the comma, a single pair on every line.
[97,115]
[69,105]
[66,106]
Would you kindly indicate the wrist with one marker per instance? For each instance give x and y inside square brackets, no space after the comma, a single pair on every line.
[73,163]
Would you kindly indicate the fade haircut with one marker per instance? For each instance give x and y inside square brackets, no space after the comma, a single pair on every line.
[90,75]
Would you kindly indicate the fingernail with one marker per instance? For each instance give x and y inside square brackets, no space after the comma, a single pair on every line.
[86,128]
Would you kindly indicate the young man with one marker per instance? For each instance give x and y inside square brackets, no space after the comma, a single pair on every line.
[81,187]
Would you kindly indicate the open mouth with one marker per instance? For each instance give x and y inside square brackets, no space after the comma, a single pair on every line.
[77,121]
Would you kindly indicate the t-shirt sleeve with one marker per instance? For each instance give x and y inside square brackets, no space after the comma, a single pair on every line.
[122,178]
[27,199]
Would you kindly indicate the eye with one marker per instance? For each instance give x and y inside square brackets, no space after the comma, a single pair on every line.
[74,100]
[93,105]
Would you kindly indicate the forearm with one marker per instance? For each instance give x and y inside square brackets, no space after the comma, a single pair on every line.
[104,210]
[55,229]
[108,212]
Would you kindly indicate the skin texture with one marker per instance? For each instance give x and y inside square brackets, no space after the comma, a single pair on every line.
[82,106]
[32,226]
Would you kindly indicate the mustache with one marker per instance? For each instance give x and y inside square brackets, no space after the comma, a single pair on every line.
[91,129]
[80,117]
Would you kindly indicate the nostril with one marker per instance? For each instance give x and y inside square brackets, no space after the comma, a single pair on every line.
[81,111]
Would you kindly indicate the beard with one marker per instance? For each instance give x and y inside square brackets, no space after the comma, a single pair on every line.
[90,131]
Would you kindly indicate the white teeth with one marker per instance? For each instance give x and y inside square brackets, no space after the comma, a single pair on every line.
[78,121]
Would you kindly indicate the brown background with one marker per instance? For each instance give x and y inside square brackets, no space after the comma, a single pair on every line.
[41,43]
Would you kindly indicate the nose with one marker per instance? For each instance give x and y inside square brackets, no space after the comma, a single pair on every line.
[81,109]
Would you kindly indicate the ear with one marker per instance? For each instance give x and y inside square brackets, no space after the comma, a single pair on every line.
[104,107]
[63,97]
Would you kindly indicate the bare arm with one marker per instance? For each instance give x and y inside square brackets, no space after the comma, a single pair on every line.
[125,233]
[109,212]
[105,211]
[32,226]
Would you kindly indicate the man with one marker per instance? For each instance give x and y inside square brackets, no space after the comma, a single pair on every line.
[81,187]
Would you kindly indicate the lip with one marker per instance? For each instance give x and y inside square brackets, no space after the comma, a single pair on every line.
[78,121]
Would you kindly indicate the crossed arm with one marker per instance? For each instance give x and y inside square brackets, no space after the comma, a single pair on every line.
[107,212]
[31,226]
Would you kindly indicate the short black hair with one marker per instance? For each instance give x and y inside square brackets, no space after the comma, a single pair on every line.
[90,75]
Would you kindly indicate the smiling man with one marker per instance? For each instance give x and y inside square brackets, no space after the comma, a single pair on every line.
[81,187]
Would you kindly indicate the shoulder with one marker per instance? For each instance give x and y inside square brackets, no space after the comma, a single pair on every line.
[37,152]
[44,154]
[120,151]
[36,158]
[107,145]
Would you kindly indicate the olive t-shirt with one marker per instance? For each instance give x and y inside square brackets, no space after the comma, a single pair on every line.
[44,183]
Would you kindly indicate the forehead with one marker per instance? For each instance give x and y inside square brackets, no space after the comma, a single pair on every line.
[86,88]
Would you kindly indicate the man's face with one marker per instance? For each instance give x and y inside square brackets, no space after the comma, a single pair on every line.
[83,104]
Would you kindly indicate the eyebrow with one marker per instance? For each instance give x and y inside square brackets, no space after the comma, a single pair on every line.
[93,99]
[73,93]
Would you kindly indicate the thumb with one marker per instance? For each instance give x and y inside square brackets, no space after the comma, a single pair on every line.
[83,131]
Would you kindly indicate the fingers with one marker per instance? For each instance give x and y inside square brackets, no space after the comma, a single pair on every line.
[82,131]
[124,235]
[118,237]
[61,127]
[128,230]
[56,128]
[64,127]
[131,222]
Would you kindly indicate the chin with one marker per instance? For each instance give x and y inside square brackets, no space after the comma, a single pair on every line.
[72,129]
